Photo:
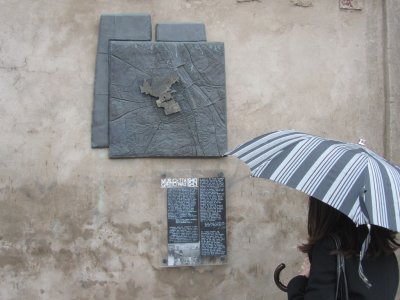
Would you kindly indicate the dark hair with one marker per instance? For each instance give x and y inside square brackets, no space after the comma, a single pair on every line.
[324,220]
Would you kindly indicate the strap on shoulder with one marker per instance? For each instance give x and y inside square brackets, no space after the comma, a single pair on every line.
[340,270]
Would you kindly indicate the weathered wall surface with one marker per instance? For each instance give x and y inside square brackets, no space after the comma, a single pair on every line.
[77,225]
[392,77]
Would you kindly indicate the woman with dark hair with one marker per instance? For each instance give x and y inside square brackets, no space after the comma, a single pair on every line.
[318,280]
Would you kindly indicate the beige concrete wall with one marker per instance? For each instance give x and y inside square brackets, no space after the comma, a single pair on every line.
[392,77]
[76,225]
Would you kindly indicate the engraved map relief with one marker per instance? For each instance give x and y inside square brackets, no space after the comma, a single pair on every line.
[192,75]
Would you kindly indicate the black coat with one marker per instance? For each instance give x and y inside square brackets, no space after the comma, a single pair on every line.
[382,272]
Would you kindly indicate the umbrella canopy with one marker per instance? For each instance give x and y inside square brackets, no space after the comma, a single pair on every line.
[349,177]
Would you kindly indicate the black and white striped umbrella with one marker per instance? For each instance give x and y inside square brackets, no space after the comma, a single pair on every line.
[348,177]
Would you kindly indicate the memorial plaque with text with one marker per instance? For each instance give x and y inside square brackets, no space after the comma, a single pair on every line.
[182,215]
[212,217]
[196,213]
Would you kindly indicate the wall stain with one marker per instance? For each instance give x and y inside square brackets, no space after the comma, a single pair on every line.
[65,260]
[132,291]
[255,270]
[12,258]
[92,283]
[38,247]
[181,280]
[128,229]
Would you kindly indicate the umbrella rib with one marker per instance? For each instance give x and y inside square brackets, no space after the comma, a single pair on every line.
[356,172]
[356,215]
[328,167]
[260,168]
[320,169]
[255,143]
[290,164]
[378,198]
[253,161]
[342,185]
[393,177]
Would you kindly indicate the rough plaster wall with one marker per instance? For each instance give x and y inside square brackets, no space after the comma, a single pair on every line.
[392,77]
[76,225]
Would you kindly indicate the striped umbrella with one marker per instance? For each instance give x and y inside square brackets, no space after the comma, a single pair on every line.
[348,177]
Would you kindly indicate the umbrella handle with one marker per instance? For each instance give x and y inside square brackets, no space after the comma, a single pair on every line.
[277,272]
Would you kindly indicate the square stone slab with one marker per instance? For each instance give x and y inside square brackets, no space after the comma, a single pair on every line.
[144,77]
[181,32]
[112,27]
[133,27]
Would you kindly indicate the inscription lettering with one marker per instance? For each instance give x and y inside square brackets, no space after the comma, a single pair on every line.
[212,217]
[182,209]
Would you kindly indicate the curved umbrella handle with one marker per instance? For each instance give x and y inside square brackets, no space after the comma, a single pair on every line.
[277,272]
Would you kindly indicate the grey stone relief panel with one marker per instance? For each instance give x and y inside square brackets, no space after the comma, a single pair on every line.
[101,74]
[181,32]
[112,27]
[139,128]
[135,27]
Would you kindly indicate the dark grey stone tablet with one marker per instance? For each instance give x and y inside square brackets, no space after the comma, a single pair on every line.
[100,103]
[139,128]
[181,32]
[132,27]
[112,27]
[99,127]
[101,74]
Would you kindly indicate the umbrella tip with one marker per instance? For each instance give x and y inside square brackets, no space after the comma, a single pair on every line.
[361,142]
